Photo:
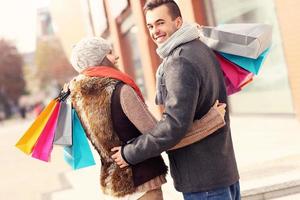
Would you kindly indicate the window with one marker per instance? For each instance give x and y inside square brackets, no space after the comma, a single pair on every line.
[98,17]
[269,92]
[117,7]
[132,45]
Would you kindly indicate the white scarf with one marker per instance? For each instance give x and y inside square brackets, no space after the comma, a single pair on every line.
[186,33]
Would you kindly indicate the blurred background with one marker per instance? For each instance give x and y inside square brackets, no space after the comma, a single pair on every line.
[36,38]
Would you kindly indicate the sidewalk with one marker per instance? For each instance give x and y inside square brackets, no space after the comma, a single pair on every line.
[268,156]
[23,177]
[267,151]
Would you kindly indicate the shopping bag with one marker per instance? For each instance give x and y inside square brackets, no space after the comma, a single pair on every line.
[63,132]
[235,77]
[44,145]
[231,89]
[28,140]
[79,155]
[242,39]
[249,64]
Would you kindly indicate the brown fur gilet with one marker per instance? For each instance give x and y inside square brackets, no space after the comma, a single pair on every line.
[91,97]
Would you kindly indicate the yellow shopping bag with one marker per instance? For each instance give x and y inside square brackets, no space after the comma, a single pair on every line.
[28,140]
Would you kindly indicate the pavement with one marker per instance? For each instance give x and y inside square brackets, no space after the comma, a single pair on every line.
[267,151]
[268,155]
[23,177]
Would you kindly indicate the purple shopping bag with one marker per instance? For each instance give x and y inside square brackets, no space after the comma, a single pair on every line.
[235,77]
[44,145]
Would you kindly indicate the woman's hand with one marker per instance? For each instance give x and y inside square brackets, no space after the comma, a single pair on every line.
[66,87]
[69,85]
[220,107]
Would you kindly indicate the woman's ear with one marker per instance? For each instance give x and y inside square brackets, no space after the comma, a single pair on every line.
[106,62]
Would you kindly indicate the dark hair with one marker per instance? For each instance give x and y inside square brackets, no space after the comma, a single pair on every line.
[172,6]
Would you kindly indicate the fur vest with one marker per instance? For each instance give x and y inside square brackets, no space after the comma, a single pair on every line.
[91,97]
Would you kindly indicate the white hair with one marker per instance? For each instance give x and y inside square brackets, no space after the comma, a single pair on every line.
[89,52]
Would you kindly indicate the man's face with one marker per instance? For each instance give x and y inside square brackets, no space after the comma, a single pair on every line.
[160,24]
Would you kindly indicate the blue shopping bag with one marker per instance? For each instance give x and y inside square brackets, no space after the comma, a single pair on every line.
[79,155]
[249,64]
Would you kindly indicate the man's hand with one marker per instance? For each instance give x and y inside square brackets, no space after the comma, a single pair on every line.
[118,157]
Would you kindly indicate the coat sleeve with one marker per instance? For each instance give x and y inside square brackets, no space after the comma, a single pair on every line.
[183,87]
[136,111]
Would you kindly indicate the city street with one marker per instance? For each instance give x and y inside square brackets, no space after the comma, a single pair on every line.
[181,54]
[267,151]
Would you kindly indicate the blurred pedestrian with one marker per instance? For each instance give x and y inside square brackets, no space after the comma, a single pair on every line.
[23,111]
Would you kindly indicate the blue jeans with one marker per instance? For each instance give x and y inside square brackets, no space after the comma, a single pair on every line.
[231,192]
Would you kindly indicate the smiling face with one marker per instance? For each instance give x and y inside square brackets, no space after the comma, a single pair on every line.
[160,24]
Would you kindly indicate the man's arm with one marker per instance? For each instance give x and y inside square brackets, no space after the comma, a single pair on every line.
[137,112]
[183,87]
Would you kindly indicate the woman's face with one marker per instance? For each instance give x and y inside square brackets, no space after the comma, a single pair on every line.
[112,58]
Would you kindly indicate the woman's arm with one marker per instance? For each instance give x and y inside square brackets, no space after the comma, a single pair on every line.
[137,112]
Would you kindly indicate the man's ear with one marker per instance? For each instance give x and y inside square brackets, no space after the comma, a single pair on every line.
[178,22]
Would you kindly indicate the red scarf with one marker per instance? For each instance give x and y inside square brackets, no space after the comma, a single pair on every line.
[104,71]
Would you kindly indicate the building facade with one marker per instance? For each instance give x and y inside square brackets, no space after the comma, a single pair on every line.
[276,90]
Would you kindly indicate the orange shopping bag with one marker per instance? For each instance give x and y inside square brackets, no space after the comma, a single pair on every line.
[28,140]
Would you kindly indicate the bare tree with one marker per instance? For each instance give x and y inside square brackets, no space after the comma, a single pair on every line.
[52,63]
[12,83]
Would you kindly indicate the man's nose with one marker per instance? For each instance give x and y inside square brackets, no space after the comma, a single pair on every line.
[156,31]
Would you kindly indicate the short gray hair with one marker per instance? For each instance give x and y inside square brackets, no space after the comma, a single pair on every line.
[89,52]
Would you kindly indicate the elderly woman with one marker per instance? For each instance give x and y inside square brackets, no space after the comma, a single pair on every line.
[111,109]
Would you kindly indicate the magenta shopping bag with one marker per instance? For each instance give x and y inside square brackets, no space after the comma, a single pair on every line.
[44,145]
[231,89]
[235,77]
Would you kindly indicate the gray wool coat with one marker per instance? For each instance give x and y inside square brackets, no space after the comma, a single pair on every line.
[192,81]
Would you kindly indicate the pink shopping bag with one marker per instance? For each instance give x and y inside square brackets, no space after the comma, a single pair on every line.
[235,77]
[44,145]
